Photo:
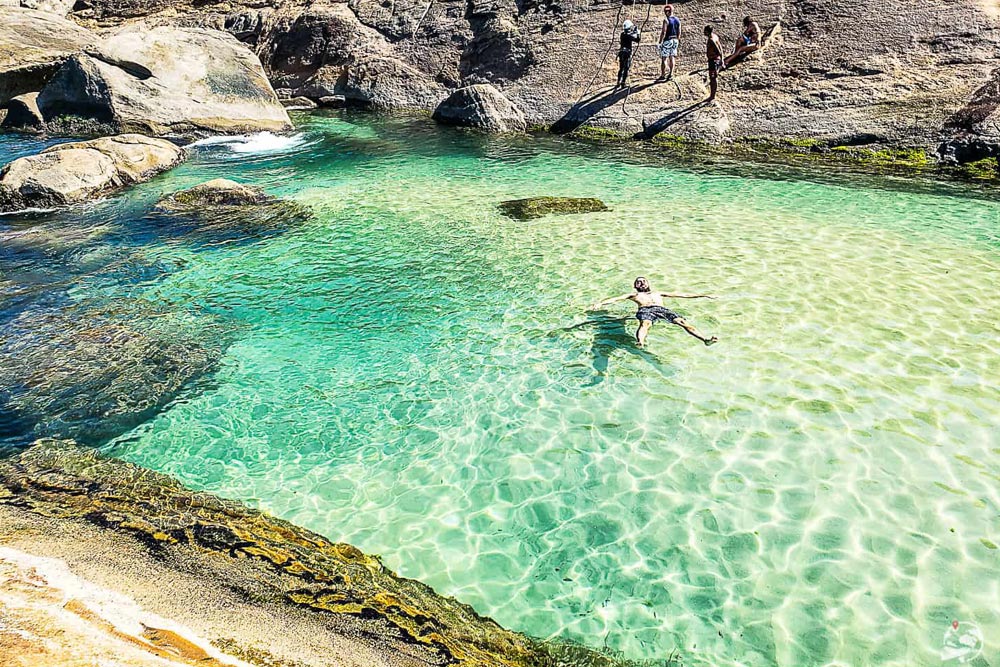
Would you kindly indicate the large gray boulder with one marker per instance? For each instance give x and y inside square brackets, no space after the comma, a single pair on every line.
[481,106]
[74,172]
[167,80]
[33,45]
[326,51]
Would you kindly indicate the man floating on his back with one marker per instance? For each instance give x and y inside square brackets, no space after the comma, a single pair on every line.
[651,309]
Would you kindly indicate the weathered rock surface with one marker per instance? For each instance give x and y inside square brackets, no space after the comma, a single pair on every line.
[33,45]
[299,103]
[74,172]
[91,374]
[899,85]
[536,207]
[58,7]
[272,569]
[166,80]
[52,618]
[23,114]
[483,107]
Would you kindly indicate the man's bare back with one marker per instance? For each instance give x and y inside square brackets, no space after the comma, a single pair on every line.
[651,309]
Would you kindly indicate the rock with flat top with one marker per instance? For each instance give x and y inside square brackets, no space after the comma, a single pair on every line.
[226,211]
[167,80]
[75,172]
[298,103]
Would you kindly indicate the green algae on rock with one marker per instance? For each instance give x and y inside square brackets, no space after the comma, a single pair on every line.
[536,207]
[57,478]
[222,209]
[217,192]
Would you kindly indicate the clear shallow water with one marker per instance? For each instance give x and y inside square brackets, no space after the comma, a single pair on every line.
[416,374]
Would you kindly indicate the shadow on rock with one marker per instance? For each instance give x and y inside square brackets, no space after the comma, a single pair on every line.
[92,373]
[672,118]
[588,107]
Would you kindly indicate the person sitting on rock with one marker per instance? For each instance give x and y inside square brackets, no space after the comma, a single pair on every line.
[716,60]
[748,41]
[629,38]
[670,36]
[651,309]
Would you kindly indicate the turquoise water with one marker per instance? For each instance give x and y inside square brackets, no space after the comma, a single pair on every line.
[417,375]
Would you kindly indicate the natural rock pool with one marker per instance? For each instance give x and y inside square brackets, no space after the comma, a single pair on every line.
[410,371]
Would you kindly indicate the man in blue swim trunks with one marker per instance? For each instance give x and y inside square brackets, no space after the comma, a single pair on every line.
[651,309]
[670,36]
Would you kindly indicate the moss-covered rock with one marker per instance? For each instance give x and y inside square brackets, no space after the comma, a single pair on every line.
[601,134]
[910,158]
[986,169]
[536,207]
[217,192]
[224,210]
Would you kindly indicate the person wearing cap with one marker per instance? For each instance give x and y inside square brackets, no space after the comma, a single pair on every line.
[670,36]
[629,38]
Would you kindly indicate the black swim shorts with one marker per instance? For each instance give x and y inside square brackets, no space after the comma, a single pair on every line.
[656,314]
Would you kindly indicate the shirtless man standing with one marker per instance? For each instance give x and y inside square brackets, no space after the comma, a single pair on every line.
[651,310]
[716,60]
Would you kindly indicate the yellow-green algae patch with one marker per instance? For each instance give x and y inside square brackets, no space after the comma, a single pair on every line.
[985,169]
[60,479]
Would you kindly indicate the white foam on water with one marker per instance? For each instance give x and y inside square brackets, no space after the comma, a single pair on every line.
[262,142]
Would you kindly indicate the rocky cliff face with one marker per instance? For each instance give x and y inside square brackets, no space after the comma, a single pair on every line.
[901,73]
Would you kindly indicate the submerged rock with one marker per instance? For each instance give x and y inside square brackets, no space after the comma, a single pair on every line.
[217,192]
[481,106]
[33,45]
[226,210]
[536,207]
[167,80]
[74,172]
[92,373]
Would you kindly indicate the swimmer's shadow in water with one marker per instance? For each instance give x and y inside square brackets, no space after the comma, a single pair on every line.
[612,334]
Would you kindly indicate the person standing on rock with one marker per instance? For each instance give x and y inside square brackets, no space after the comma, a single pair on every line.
[716,60]
[670,38]
[629,38]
